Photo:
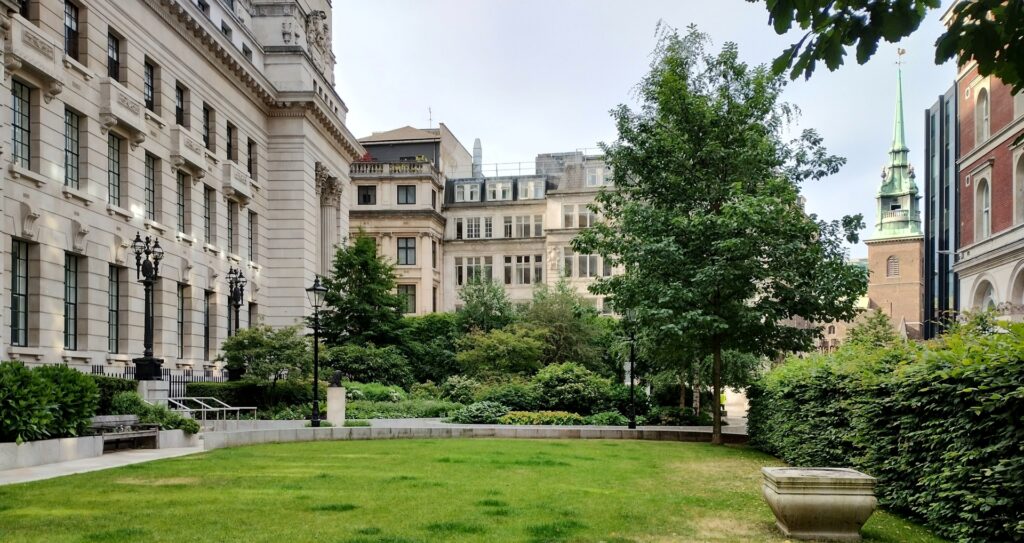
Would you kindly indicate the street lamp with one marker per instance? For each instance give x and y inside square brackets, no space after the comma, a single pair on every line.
[316,295]
[236,292]
[148,255]
[631,325]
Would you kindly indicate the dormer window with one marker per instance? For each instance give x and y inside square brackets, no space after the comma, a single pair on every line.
[499,191]
[467,192]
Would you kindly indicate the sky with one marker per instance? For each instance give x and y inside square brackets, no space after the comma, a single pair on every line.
[537,76]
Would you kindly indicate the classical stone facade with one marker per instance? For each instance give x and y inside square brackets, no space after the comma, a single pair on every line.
[990,256]
[210,125]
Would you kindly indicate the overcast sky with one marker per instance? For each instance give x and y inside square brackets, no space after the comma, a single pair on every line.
[535,76]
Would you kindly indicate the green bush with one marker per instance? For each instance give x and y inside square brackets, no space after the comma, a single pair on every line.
[516,396]
[556,418]
[406,409]
[459,389]
[676,416]
[938,425]
[261,395]
[108,387]
[573,388]
[374,392]
[428,342]
[517,349]
[26,404]
[369,364]
[619,399]
[608,418]
[479,413]
[264,353]
[75,397]
[130,403]
[291,412]
[425,391]
[356,423]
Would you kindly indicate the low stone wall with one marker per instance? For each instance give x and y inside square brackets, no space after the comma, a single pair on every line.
[236,425]
[48,451]
[218,440]
[176,439]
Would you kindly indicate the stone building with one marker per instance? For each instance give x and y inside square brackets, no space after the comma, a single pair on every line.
[398,198]
[990,255]
[211,125]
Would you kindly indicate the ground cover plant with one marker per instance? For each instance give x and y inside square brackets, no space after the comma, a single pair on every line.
[418,491]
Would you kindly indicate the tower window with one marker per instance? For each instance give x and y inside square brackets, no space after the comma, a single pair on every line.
[892,267]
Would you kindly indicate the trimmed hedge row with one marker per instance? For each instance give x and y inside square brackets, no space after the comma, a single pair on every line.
[45,402]
[257,394]
[939,425]
[108,388]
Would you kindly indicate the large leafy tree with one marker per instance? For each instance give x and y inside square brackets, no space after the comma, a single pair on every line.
[574,331]
[706,220]
[361,305]
[485,306]
[986,31]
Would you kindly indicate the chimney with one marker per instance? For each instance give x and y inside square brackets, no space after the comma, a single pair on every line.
[478,159]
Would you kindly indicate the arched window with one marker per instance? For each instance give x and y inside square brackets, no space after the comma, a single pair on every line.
[831,329]
[892,267]
[985,296]
[981,117]
[983,210]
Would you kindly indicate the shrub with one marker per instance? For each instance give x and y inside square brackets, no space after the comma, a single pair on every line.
[514,350]
[516,396]
[75,397]
[130,403]
[26,403]
[263,353]
[619,399]
[459,389]
[480,413]
[369,364]
[356,423]
[428,342]
[108,387]
[556,418]
[608,418]
[677,416]
[261,395]
[573,388]
[406,409]
[938,425]
[375,392]
[425,391]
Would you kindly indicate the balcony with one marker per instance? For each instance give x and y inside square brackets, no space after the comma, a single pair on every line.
[28,47]
[896,215]
[187,150]
[119,108]
[393,169]
[237,183]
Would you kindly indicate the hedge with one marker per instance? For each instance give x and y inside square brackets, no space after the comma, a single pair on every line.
[261,395]
[939,425]
[405,409]
[556,418]
[110,386]
[43,403]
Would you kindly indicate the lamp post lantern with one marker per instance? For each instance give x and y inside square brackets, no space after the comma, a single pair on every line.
[148,255]
[316,295]
[236,293]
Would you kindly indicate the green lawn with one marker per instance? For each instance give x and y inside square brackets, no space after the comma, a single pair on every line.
[417,491]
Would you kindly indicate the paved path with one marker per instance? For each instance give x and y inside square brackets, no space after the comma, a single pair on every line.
[106,461]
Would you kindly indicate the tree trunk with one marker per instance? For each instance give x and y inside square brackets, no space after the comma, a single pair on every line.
[716,376]
[696,393]
[682,392]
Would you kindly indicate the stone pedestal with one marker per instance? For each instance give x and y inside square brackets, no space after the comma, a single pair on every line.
[829,504]
[336,405]
[155,392]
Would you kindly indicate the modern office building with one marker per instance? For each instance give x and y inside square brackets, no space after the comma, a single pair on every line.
[211,125]
[941,213]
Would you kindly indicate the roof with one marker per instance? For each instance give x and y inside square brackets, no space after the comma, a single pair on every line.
[405,133]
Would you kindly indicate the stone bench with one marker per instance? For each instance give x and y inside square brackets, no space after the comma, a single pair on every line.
[118,430]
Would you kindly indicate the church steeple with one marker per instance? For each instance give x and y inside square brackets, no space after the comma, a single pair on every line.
[899,212]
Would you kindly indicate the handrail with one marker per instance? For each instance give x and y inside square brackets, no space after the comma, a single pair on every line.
[202,405]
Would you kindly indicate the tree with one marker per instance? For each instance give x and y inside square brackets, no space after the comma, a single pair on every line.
[361,304]
[875,331]
[502,351]
[429,342]
[370,364]
[573,330]
[986,31]
[262,353]
[706,219]
[485,306]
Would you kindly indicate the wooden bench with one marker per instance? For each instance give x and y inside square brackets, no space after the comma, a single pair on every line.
[118,430]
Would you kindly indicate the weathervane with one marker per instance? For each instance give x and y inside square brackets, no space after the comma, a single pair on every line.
[899,55]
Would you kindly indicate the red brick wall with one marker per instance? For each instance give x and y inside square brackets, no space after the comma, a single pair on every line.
[1000,114]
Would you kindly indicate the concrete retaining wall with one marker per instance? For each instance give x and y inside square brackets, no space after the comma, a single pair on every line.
[236,425]
[218,440]
[176,439]
[48,451]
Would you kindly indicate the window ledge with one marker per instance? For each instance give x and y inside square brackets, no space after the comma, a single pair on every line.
[157,119]
[73,64]
[120,211]
[118,357]
[186,238]
[255,266]
[18,171]
[211,248]
[77,194]
[21,353]
[235,258]
[150,224]
[69,356]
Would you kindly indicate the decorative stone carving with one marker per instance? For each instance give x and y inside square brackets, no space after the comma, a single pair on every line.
[186,272]
[29,221]
[819,503]
[327,186]
[318,37]
[78,235]
[120,250]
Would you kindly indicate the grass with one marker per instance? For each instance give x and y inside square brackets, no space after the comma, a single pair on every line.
[418,491]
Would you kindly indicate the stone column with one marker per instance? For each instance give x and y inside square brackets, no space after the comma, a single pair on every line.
[329,190]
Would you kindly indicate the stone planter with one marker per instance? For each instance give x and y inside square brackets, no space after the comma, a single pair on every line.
[828,504]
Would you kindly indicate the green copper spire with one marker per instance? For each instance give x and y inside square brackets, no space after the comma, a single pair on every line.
[899,213]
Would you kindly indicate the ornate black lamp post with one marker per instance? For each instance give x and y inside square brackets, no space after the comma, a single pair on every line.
[148,255]
[631,324]
[236,292]
[316,295]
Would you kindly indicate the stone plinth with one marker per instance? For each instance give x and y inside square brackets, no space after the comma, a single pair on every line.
[829,504]
[155,392]
[336,405]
